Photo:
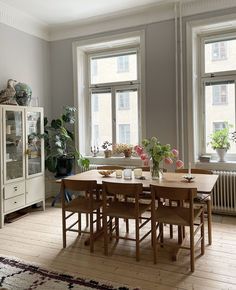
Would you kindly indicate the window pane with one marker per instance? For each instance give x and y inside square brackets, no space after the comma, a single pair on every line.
[217,117]
[127,117]
[220,56]
[114,68]
[101,118]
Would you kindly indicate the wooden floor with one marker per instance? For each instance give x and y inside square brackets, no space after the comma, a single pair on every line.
[37,238]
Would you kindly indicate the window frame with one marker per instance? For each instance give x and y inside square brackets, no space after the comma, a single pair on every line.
[212,77]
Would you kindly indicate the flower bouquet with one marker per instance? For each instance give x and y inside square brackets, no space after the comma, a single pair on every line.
[154,151]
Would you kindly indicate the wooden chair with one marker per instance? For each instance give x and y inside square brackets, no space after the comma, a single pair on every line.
[176,215]
[88,204]
[120,207]
[203,199]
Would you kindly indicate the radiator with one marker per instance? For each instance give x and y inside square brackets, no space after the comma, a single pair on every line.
[224,193]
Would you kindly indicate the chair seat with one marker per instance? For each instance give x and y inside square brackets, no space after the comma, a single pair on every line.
[176,216]
[81,205]
[126,209]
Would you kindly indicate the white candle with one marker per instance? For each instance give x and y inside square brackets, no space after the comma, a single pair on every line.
[137,172]
[189,168]
[118,173]
[127,174]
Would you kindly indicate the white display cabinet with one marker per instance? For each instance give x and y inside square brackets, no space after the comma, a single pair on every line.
[22,158]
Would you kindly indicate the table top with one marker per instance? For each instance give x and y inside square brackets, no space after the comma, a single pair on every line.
[203,182]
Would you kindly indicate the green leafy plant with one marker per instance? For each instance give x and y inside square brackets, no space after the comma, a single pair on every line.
[59,140]
[220,139]
[106,145]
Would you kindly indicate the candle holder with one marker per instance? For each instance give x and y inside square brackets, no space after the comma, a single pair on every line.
[94,150]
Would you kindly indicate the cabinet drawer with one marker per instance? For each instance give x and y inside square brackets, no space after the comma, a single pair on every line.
[14,203]
[12,190]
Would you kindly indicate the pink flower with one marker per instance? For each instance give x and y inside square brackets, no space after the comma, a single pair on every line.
[139,150]
[175,152]
[144,156]
[168,160]
[179,164]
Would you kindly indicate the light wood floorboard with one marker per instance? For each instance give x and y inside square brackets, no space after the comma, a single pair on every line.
[37,238]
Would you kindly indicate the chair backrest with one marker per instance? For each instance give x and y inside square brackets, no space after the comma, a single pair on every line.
[125,189]
[173,193]
[110,167]
[194,171]
[88,186]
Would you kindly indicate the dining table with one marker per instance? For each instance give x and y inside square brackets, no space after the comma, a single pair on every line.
[204,183]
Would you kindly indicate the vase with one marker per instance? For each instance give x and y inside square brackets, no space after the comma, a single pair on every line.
[107,153]
[155,170]
[127,153]
[221,154]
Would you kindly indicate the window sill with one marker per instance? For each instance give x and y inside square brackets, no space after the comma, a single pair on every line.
[122,161]
[215,165]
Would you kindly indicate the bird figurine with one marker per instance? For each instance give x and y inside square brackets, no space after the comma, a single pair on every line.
[7,96]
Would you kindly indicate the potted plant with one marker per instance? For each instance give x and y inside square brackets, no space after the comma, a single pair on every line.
[220,142]
[107,148]
[60,151]
[126,149]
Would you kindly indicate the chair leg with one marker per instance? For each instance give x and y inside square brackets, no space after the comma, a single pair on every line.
[117,228]
[64,228]
[161,234]
[154,244]
[91,233]
[209,220]
[192,261]
[87,220]
[202,235]
[137,239]
[171,231]
[79,224]
[105,234]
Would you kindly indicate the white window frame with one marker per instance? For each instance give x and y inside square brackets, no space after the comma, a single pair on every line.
[194,30]
[80,50]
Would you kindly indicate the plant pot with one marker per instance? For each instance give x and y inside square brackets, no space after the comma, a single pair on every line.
[127,153]
[221,154]
[64,166]
[107,153]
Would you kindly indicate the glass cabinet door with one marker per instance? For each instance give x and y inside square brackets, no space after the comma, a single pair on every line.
[34,142]
[13,144]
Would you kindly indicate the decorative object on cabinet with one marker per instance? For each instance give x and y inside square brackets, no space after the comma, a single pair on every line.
[7,96]
[23,94]
[107,148]
[22,158]
[59,144]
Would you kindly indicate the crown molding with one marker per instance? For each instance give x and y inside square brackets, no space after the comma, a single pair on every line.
[115,21]
[24,22]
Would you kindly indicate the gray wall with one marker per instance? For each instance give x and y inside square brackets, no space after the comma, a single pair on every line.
[26,59]
[159,71]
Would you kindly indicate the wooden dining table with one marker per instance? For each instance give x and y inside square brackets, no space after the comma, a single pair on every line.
[203,182]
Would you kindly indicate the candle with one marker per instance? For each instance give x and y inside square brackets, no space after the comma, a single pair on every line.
[118,173]
[137,172]
[189,168]
[127,174]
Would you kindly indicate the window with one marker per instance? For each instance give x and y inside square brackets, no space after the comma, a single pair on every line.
[122,64]
[219,95]
[219,51]
[107,98]
[124,133]
[217,126]
[115,97]
[123,101]
[218,80]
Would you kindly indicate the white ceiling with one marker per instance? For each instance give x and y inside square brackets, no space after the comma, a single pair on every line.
[54,12]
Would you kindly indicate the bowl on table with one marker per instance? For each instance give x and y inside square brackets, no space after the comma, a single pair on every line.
[105,173]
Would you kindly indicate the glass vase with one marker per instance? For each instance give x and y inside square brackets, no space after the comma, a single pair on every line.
[155,170]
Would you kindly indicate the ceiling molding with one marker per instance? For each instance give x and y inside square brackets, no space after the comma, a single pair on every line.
[115,21]
[23,22]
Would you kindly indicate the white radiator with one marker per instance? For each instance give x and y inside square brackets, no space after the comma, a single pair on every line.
[224,193]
